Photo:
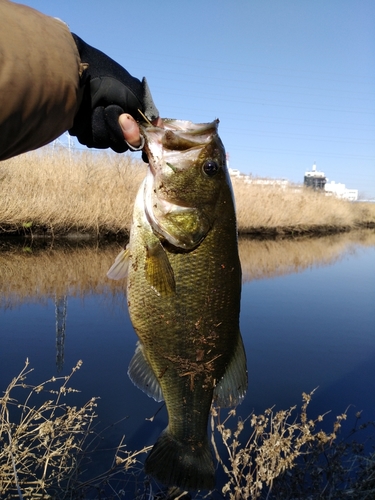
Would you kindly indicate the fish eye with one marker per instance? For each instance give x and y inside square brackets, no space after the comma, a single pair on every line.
[210,168]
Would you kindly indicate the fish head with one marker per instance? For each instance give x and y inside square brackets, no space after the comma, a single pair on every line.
[186,175]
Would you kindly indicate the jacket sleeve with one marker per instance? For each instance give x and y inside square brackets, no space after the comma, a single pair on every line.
[39,79]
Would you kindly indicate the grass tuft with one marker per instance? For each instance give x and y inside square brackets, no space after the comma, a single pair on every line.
[284,455]
[56,191]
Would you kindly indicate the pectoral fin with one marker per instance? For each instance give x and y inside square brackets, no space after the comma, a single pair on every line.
[119,268]
[231,389]
[159,272]
[143,376]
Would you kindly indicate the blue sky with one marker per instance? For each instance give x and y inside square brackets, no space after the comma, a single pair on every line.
[292,81]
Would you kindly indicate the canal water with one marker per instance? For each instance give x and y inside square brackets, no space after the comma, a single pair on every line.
[307,321]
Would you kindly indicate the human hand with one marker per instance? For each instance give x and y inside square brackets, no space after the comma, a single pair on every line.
[111,100]
[130,129]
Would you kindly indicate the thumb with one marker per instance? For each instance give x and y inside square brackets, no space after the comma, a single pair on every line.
[130,130]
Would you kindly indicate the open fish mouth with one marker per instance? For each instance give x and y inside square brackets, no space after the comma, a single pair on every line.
[175,136]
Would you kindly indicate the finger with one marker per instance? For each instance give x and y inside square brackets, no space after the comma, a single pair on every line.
[130,130]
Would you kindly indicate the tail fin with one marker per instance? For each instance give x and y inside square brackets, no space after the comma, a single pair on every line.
[186,465]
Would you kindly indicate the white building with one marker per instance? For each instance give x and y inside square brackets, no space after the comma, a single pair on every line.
[248,179]
[339,190]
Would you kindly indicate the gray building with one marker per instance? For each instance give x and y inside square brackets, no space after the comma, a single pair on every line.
[315,179]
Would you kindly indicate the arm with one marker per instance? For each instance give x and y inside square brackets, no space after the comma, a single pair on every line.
[39,92]
[52,81]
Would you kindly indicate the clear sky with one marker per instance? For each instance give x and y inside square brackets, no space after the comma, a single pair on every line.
[292,81]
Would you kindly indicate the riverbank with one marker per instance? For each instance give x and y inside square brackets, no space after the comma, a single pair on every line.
[55,192]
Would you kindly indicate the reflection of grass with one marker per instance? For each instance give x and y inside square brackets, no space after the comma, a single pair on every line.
[46,446]
[54,191]
[40,273]
[268,258]
[32,273]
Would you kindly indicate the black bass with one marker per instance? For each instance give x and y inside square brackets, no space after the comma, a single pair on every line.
[183,291]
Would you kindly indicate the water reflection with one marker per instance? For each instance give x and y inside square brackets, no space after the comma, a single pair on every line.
[307,320]
[60,313]
[32,273]
[270,258]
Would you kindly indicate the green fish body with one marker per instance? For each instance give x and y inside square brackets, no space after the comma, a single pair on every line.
[183,289]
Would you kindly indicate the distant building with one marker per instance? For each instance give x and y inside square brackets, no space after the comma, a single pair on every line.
[339,190]
[248,179]
[315,179]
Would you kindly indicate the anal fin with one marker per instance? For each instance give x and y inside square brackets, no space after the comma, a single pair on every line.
[143,376]
[231,389]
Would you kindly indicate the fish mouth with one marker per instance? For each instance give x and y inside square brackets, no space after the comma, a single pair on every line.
[175,136]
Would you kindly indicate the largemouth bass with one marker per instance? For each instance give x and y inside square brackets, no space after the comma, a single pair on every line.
[183,291]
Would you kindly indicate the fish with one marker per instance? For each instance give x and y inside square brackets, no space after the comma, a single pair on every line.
[183,279]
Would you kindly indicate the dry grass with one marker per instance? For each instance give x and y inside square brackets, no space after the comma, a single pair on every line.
[58,191]
[40,452]
[285,455]
[46,444]
[276,441]
[62,192]
[272,209]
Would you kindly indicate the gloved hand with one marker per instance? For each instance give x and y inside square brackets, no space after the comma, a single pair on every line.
[109,92]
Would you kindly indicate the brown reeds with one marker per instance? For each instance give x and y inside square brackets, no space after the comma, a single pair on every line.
[274,209]
[56,191]
[40,451]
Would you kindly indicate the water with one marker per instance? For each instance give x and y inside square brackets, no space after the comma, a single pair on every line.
[307,321]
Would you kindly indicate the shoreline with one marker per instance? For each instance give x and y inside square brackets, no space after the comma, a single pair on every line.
[257,233]
[54,195]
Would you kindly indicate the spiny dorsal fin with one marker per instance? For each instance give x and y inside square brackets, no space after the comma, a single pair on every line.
[231,389]
[119,268]
[143,376]
[159,272]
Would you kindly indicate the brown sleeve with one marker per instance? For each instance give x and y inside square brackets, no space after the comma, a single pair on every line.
[39,79]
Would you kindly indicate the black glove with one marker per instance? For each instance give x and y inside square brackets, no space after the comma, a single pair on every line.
[109,91]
